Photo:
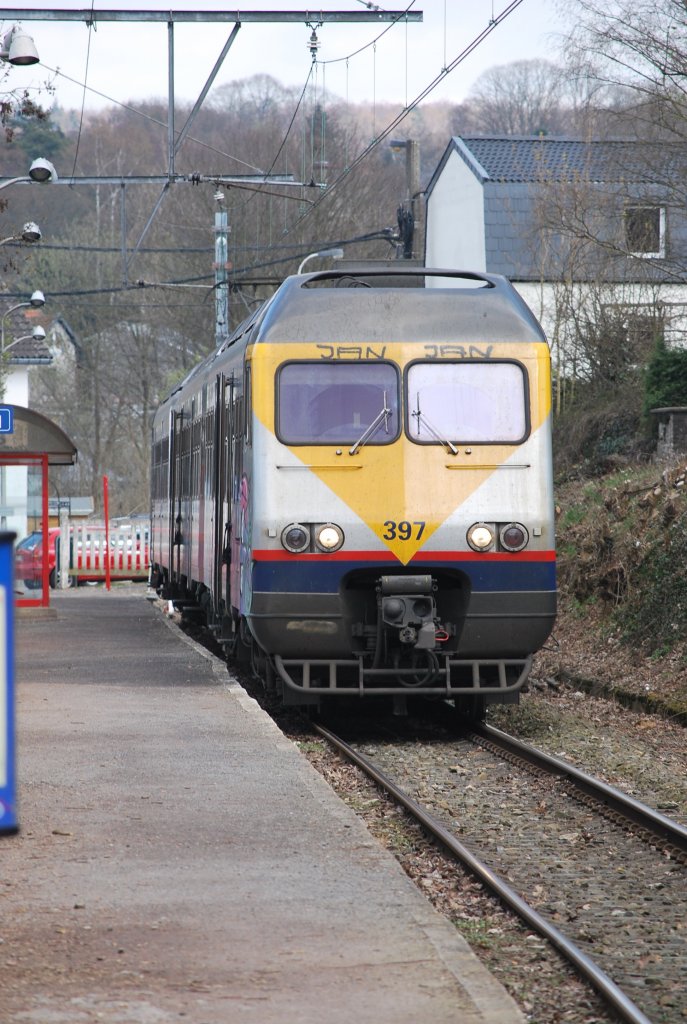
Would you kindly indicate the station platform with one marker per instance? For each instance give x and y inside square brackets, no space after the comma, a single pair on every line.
[179,859]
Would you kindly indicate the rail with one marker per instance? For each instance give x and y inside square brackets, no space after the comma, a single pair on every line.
[605,986]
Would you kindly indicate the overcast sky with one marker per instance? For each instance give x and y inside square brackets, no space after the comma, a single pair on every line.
[125,62]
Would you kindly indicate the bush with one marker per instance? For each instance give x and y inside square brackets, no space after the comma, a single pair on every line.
[655,615]
[666,378]
[599,431]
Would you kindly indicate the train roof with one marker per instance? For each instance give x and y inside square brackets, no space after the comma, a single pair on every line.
[389,304]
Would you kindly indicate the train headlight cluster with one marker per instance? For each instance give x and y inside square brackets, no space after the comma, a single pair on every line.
[480,537]
[300,537]
[329,537]
[511,537]
[295,538]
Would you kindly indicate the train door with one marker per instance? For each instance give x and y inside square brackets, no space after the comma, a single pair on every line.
[228,500]
[174,509]
[238,490]
[221,496]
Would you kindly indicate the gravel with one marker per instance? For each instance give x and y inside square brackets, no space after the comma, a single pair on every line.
[577,870]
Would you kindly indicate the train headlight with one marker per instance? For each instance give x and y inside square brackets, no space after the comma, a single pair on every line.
[295,538]
[513,537]
[329,537]
[480,537]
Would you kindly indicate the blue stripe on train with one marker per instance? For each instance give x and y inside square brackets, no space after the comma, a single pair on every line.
[323,577]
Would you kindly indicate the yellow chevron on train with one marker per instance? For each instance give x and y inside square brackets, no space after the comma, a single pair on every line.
[398,483]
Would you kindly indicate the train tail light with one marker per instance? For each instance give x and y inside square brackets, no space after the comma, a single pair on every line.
[513,537]
[295,538]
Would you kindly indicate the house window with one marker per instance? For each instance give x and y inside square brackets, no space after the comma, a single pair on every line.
[633,330]
[645,230]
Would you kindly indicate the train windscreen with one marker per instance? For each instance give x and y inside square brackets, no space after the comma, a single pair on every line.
[472,403]
[338,403]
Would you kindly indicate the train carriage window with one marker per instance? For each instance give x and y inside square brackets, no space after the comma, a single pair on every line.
[465,402]
[336,403]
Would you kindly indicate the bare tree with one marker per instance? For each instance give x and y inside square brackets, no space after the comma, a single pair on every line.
[603,304]
[135,342]
[526,97]
[640,48]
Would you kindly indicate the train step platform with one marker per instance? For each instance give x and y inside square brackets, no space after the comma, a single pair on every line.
[178,859]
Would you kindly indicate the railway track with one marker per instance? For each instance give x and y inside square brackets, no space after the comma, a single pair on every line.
[648,824]
[614,945]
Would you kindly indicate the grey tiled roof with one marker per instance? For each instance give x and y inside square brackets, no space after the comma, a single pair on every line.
[529,159]
[30,351]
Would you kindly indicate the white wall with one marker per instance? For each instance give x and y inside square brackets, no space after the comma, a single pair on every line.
[17,387]
[455,219]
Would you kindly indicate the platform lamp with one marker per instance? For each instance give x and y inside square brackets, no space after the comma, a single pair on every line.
[41,171]
[29,233]
[37,334]
[18,48]
[37,301]
[335,254]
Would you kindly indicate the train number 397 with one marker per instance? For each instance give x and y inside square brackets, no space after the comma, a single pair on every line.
[404,530]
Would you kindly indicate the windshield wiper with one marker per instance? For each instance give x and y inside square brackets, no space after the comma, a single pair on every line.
[383,414]
[421,418]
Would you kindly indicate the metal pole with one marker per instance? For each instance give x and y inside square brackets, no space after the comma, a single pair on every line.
[106,513]
[45,509]
[221,267]
[170,98]
[122,228]
[65,546]
[413,185]
[8,800]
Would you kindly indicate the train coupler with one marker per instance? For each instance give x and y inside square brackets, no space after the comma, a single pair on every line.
[407,607]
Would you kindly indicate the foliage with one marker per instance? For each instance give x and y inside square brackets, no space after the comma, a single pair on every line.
[622,543]
[637,48]
[16,107]
[655,615]
[598,430]
[666,378]
[35,134]
[525,97]
[133,322]
[136,294]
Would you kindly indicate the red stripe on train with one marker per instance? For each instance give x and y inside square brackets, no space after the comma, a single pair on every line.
[423,556]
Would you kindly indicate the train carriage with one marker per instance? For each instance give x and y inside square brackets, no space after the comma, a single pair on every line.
[357,487]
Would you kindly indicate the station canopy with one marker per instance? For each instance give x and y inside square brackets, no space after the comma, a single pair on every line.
[37,435]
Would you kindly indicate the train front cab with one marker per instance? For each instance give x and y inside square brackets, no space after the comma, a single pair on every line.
[404,542]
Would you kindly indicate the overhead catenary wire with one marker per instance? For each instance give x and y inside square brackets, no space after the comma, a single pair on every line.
[149,117]
[494,22]
[383,234]
[313,204]
[373,42]
[91,24]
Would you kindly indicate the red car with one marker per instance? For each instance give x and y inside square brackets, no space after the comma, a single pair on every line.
[28,560]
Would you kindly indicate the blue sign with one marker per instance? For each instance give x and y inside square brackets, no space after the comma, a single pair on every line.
[8,800]
[6,419]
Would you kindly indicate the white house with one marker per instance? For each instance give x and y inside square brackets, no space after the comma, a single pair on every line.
[578,226]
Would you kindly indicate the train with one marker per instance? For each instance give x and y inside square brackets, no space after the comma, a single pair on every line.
[355,489]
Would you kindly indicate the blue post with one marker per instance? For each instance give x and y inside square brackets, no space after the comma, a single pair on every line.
[8,801]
